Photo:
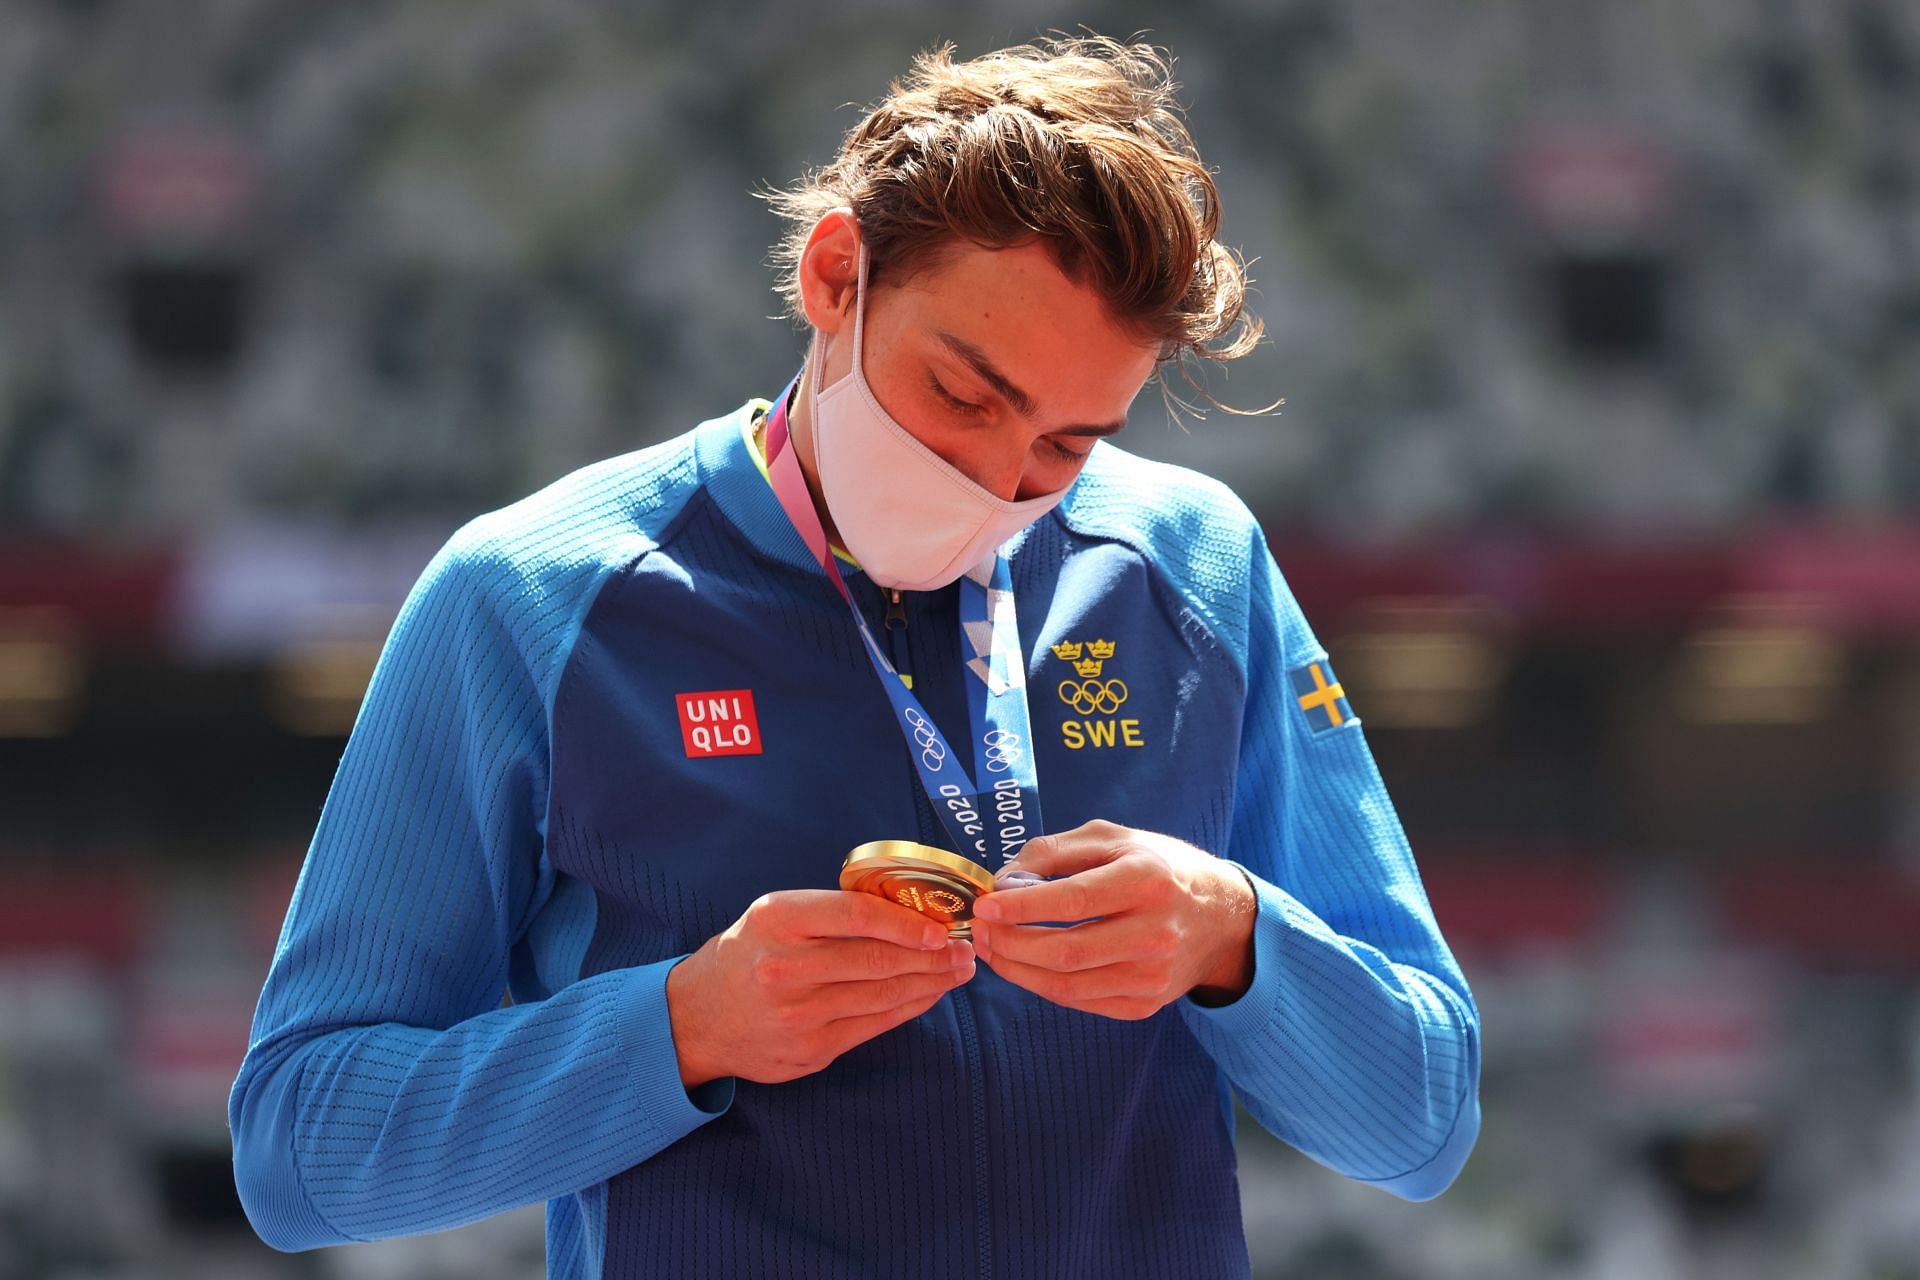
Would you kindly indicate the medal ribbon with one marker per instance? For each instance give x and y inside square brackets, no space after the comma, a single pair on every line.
[997,808]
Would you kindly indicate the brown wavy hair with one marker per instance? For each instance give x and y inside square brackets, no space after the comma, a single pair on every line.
[1075,141]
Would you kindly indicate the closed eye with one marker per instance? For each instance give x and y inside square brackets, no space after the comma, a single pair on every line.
[958,405]
[952,401]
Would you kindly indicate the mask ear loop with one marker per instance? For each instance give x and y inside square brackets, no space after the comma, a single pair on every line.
[819,371]
[860,310]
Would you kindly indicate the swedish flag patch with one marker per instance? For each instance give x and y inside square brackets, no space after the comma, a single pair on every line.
[1321,698]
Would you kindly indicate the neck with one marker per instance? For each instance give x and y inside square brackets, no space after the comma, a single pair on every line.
[800,431]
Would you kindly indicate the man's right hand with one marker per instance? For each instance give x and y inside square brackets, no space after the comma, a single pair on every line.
[803,976]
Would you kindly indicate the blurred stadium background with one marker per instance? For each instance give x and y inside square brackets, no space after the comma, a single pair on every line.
[1599,475]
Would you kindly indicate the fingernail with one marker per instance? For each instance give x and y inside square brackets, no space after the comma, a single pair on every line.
[986,909]
[1017,878]
[933,938]
[982,944]
[960,952]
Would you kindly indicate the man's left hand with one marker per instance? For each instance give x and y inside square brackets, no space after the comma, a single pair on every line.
[1174,920]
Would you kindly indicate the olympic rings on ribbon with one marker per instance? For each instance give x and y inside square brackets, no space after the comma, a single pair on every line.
[1090,697]
[1003,749]
[932,753]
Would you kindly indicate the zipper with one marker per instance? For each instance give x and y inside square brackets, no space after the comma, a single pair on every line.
[977,1094]
[897,641]
[972,1061]
[963,1014]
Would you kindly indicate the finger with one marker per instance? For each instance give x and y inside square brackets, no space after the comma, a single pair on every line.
[838,1001]
[1077,990]
[848,1032]
[1113,887]
[847,913]
[825,960]
[1118,939]
[1063,853]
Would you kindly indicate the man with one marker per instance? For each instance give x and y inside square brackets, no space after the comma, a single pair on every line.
[625,731]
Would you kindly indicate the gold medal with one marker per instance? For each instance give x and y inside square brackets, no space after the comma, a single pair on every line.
[939,885]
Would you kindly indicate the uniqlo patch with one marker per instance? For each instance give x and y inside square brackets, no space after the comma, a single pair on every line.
[721,723]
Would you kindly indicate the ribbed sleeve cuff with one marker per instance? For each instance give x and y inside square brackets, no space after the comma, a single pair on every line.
[1254,1009]
[648,1033]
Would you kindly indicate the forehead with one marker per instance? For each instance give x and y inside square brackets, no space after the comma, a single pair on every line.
[1036,324]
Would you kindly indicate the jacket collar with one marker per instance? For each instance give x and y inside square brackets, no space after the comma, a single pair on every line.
[728,471]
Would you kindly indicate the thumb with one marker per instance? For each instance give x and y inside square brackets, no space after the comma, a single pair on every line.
[1065,852]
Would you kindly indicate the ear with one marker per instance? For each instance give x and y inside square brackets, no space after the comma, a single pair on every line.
[830,270]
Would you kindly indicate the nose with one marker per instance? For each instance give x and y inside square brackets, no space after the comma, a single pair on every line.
[997,466]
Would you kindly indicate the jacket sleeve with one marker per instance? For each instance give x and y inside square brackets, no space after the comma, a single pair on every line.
[385,1090]
[1358,1041]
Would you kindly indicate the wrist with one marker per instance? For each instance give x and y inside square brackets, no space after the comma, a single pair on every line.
[1230,973]
[696,1067]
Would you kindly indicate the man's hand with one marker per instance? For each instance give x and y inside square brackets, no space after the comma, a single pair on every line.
[801,977]
[1174,920]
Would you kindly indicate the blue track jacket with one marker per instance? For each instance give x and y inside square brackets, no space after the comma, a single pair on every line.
[522,808]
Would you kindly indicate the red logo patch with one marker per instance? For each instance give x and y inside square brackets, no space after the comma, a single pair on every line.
[722,723]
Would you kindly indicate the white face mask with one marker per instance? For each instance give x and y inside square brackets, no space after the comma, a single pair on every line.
[913,521]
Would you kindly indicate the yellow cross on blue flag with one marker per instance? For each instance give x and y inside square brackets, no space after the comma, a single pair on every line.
[1322,699]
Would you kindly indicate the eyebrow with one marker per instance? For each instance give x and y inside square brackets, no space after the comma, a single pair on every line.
[1020,400]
